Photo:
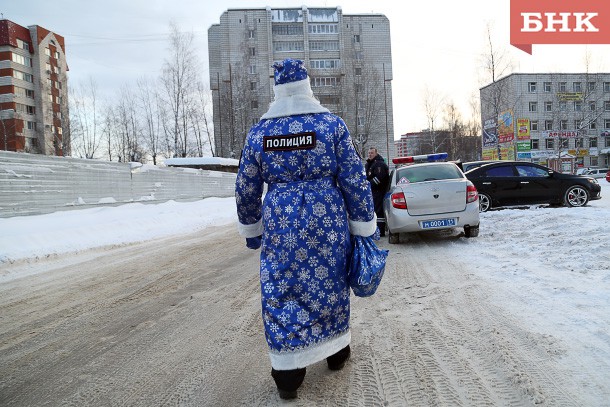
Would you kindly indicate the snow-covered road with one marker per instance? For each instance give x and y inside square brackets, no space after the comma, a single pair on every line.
[518,316]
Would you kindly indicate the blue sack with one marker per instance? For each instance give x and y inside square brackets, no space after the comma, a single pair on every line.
[366,267]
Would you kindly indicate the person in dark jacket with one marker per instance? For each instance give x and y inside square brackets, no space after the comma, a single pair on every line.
[378,175]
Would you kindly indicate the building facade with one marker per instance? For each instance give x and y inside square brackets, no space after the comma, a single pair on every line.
[33,90]
[348,59]
[545,117]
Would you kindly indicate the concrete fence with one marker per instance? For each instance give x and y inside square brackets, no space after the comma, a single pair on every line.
[33,184]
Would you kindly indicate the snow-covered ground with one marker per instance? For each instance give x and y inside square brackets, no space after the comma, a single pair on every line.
[550,266]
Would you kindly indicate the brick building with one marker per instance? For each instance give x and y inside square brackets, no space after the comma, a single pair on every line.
[348,58]
[33,90]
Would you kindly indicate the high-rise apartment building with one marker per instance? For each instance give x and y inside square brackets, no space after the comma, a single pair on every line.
[538,117]
[348,59]
[33,90]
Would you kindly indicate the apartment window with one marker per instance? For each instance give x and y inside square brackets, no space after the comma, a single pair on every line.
[535,144]
[563,125]
[60,130]
[23,76]
[358,55]
[324,81]
[578,106]
[606,124]
[564,143]
[22,60]
[593,161]
[57,84]
[251,33]
[361,121]
[563,106]
[579,142]
[607,106]
[548,106]
[592,141]
[533,106]
[50,98]
[547,87]
[549,143]
[252,85]
[324,63]
[49,83]
[607,142]
[590,86]
[323,28]
[356,38]
[23,45]
[47,52]
[252,69]
[358,71]
[254,104]
[26,93]
[592,106]
[56,55]
[592,125]
[287,29]
[31,125]
[534,125]
[324,45]
[329,100]
[531,87]
[48,67]
[288,46]
[577,124]
[577,86]
[563,86]
[252,51]
[606,86]
[548,125]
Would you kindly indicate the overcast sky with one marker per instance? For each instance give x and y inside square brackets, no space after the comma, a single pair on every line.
[435,44]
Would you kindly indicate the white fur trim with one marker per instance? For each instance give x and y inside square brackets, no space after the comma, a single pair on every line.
[358,228]
[253,230]
[294,98]
[306,357]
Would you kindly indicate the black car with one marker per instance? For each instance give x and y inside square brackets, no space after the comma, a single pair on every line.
[509,183]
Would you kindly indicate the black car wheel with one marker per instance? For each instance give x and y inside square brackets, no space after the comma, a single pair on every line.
[576,196]
[484,202]
[471,231]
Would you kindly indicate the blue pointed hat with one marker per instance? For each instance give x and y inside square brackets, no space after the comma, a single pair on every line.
[289,70]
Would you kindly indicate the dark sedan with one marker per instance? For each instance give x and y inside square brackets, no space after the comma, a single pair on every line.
[509,183]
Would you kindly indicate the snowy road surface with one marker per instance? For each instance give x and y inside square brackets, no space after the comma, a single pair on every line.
[176,321]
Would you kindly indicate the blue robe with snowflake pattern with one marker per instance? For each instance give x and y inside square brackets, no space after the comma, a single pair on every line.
[317,195]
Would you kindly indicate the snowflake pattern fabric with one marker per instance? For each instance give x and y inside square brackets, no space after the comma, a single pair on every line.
[313,193]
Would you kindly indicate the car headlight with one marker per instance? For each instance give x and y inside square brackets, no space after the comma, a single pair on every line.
[592,180]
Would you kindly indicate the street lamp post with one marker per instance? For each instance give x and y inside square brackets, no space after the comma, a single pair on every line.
[385,101]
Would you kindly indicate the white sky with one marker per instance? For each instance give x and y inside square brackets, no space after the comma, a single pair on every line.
[435,44]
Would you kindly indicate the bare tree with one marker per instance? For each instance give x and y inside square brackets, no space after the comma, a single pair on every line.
[85,134]
[433,103]
[201,119]
[179,75]
[148,99]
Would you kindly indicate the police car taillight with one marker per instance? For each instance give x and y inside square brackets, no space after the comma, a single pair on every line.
[398,200]
[420,158]
[471,193]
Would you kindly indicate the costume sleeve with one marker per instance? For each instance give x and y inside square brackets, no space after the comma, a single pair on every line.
[248,192]
[354,185]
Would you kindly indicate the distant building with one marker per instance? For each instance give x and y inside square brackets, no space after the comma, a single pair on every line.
[33,90]
[542,117]
[348,58]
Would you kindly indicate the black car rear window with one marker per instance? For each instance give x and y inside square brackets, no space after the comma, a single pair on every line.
[428,173]
[501,171]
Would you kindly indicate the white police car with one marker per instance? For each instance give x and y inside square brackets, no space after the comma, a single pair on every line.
[426,193]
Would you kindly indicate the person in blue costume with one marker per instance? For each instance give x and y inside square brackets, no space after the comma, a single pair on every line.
[317,196]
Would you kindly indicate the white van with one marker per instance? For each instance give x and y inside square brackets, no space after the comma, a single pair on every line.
[596,172]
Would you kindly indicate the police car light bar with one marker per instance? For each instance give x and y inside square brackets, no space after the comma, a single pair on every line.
[420,158]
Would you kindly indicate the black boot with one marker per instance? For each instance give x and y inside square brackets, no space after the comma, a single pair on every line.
[288,381]
[337,361]
[381,226]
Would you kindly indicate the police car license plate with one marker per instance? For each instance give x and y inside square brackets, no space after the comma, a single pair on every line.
[438,223]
